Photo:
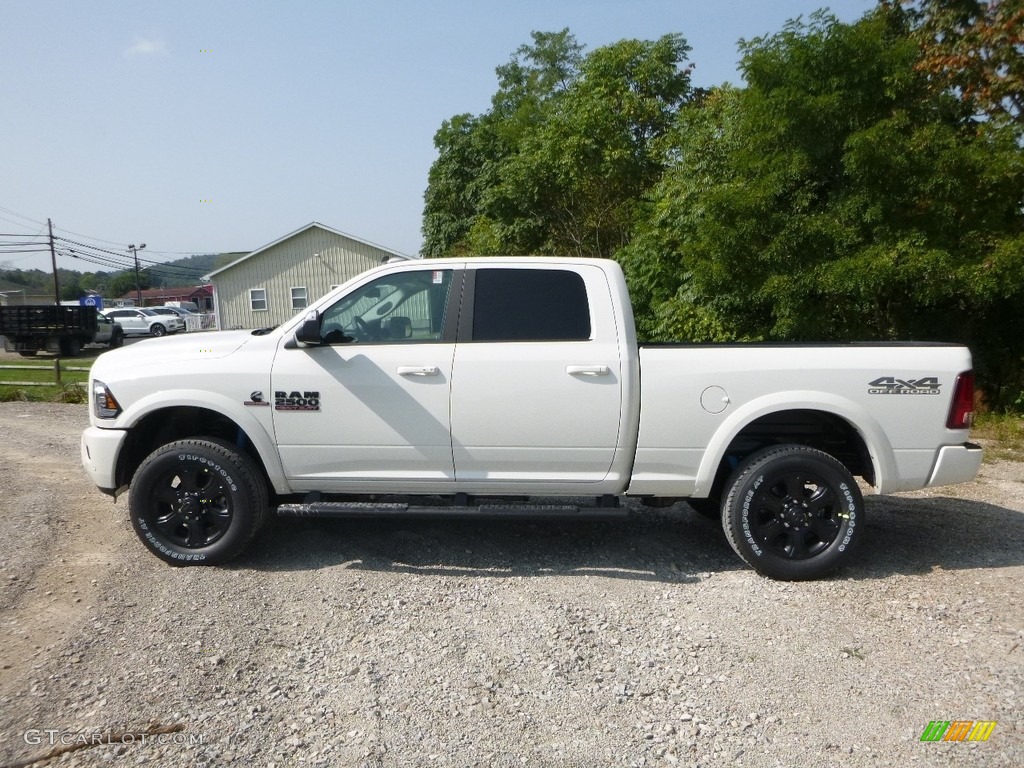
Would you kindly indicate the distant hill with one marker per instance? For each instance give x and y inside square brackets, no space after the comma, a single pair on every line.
[184,271]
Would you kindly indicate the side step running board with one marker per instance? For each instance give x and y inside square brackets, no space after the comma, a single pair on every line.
[515,511]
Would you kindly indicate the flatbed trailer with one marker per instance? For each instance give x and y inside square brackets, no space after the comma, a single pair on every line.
[59,329]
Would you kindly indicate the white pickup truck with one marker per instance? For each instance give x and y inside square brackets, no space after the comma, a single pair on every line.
[464,386]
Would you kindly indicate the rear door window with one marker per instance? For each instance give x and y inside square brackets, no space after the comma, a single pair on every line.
[530,305]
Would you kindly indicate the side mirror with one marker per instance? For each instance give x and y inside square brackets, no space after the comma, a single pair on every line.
[309,331]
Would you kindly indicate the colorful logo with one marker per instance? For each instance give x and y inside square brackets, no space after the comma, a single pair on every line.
[958,730]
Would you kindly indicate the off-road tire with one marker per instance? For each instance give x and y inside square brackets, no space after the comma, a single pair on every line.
[197,502]
[793,512]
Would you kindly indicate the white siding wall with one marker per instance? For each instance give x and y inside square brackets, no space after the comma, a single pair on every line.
[315,259]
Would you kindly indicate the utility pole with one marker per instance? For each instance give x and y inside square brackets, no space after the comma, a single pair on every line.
[138,288]
[53,259]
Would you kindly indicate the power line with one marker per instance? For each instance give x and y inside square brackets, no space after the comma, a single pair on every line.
[86,245]
[94,248]
[18,223]
[100,256]
[159,270]
[23,216]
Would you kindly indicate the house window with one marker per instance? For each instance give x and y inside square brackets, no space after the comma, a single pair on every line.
[299,298]
[258,299]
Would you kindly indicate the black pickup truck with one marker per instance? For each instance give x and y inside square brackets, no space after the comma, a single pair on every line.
[61,330]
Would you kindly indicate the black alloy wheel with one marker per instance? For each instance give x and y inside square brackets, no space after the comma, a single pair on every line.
[793,512]
[197,502]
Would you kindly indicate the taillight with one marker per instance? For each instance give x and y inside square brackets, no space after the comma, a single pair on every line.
[961,412]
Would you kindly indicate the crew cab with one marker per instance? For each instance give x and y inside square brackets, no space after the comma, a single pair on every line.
[464,386]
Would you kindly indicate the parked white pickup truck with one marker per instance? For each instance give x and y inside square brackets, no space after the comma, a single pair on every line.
[466,385]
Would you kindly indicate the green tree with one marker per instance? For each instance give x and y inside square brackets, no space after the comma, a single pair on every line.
[974,48]
[836,197]
[70,289]
[566,151]
[123,284]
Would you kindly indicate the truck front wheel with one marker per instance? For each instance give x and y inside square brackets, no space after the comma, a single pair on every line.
[793,512]
[197,502]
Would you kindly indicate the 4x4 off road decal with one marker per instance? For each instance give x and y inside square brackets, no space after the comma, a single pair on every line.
[890,385]
[296,401]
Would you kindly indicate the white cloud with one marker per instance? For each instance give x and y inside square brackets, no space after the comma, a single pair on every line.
[146,47]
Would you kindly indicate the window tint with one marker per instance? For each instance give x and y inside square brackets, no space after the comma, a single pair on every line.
[404,307]
[530,305]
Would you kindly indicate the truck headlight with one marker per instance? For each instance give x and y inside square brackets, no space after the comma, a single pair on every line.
[103,401]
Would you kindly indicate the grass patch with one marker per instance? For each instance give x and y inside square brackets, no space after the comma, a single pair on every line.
[40,371]
[1003,435]
[45,388]
[16,394]
[73,392]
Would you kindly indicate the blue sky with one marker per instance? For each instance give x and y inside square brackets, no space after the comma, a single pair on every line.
[206,126]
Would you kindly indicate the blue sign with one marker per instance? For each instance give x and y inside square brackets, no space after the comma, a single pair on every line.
[91,301]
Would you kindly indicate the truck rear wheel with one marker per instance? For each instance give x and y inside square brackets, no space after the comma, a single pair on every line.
[793,512]
[197,502]
[70,346]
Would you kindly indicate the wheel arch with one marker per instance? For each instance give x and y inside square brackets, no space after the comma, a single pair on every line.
[181,422]
[841,431]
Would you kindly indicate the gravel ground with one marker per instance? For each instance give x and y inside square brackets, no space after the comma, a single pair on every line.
[426,643]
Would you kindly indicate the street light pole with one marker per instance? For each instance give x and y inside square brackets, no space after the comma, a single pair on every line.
[138,286]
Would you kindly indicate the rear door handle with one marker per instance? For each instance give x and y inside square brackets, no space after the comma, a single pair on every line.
[418,370]
[588,370]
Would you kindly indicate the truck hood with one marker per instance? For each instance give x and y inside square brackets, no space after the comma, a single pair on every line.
[169,350]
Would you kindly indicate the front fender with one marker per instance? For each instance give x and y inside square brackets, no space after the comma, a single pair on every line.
[255,421]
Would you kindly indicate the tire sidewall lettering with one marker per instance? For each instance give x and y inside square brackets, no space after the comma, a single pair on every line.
[851,516]
[213,466]
[185,557]
[748,499]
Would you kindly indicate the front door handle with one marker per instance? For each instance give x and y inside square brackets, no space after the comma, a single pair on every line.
[588,370]
[418,370]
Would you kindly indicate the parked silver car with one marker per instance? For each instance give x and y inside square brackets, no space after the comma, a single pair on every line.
[145,322]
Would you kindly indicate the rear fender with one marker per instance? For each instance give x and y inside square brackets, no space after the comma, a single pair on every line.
[879,448]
